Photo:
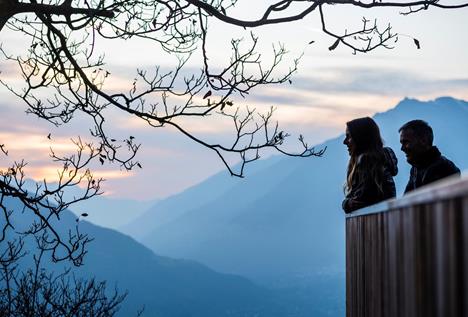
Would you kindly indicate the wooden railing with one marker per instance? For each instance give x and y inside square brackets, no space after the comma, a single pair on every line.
[409,257]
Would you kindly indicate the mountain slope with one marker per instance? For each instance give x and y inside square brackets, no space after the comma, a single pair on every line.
[164,286]
[195,197]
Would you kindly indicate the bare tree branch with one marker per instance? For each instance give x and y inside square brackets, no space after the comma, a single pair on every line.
[312,5]
[45,202]
[63,65]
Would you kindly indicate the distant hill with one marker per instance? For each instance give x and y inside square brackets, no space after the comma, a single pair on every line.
[167,287]
[111,213]
[284,220]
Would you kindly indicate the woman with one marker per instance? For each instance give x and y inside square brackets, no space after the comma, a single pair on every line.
[371,167]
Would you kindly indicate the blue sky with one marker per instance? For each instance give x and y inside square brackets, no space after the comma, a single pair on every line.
[329,89]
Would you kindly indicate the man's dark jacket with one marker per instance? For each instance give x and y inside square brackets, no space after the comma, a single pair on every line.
[431,168]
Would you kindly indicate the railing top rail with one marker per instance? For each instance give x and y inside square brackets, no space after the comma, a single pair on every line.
[448,188]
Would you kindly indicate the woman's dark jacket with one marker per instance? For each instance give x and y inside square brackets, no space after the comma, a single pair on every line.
[433,167]
[366,192]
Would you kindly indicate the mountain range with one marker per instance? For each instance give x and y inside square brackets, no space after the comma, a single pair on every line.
[283,222]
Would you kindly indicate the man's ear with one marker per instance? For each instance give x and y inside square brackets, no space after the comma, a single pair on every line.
[426,142]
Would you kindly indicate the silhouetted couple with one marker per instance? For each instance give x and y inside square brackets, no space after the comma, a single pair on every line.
[372,166]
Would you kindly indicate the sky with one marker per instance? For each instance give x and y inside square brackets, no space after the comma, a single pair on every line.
[329,89]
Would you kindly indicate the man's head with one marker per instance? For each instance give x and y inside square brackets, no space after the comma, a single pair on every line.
[416,139]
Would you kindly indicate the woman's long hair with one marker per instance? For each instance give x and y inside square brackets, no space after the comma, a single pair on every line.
[368,152]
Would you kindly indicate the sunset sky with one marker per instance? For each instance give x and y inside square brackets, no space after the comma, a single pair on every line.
[329,89]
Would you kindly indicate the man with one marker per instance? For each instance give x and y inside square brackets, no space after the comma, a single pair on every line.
[427,164]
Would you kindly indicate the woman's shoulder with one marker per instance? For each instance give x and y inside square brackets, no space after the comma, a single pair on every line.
[386,158]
